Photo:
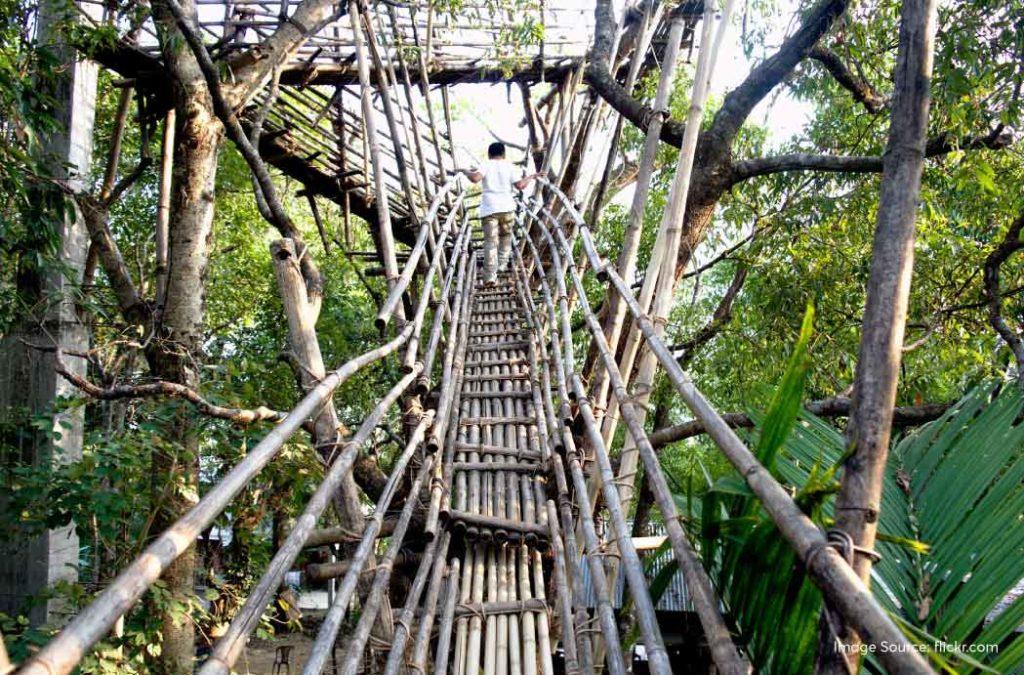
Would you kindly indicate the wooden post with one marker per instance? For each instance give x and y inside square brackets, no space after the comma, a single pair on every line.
[892,261]
[386,237]
[163,209]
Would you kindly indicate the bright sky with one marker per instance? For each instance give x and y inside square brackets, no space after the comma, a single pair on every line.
[502,112]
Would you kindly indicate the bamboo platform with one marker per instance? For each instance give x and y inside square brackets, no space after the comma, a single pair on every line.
[497,514]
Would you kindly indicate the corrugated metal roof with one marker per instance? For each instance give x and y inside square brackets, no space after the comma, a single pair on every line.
[676,597]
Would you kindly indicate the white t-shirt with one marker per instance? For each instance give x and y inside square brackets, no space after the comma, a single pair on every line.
[498,192]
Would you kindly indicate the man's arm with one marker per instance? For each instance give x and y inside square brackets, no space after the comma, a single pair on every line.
[473,175]
[525,180]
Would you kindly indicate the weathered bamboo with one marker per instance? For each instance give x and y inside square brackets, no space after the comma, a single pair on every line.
[724,652]
[385,236]
[371,606]
[475,637]
[574,461]
[630,245]
[826,567]
[443,312]
[333,570]
[444,629]
[572,664]
[411,354]
[343,597]
[407,88]
[436,548]
[672,222]
[885,315]
[480,521]
[64,651]
[542,382]
[384,87]
[450,386]
[230,646]
[422,643]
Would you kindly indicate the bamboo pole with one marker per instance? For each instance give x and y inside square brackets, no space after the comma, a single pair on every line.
[407,88]
[64,651]
[724,652]
[371,606]
[231,644]
[370,138]
[635,578]
[343,597]
[565,598]
[384,87]
[826,567]
[436,548]
[630,246]
[444,629]
[672,223]
[422,643]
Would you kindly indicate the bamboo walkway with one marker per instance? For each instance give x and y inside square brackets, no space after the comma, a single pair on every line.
[498,515]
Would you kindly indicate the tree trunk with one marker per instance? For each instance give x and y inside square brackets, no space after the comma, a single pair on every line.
[885,316]
[176,353]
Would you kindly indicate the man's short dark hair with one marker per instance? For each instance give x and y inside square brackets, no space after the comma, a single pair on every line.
[495,150]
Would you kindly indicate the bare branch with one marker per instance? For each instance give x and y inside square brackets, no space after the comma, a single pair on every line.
[839,406]
[1010,244]
[862,91]
[997,139]
[164,389]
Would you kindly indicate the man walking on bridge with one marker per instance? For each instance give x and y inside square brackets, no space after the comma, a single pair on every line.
[497,204]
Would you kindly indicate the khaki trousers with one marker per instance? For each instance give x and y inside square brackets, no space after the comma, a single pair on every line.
[497,243]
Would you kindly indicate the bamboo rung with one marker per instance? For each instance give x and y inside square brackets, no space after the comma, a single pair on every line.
[499,466]
[507,361]
[499,346]
[521,527]
[470,421]
[499,333]
[496,450]
[491,378]
[497,394]
[490,608]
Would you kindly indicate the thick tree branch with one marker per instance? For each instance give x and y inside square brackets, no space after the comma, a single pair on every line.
[133,306]
[166,389]
[838,406]
[254,67]
[739,102]
[1010,244]
[226,113]
[862,91]
[599,76]
[943,144]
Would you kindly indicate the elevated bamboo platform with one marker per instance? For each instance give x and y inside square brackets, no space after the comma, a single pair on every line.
[497,514]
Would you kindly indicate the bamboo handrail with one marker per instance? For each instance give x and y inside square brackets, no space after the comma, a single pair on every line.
[827,568]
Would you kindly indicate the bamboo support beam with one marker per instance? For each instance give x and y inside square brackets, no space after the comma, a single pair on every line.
[826,567]
[64,651]
[231,644]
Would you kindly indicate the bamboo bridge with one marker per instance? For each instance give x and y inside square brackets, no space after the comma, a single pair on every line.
[508,459]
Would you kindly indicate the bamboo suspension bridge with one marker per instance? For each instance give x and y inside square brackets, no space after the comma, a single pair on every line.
[509,454]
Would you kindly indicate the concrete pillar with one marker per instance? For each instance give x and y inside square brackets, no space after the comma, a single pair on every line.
[28,383]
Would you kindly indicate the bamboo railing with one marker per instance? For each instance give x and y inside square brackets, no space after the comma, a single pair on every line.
[829,571]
